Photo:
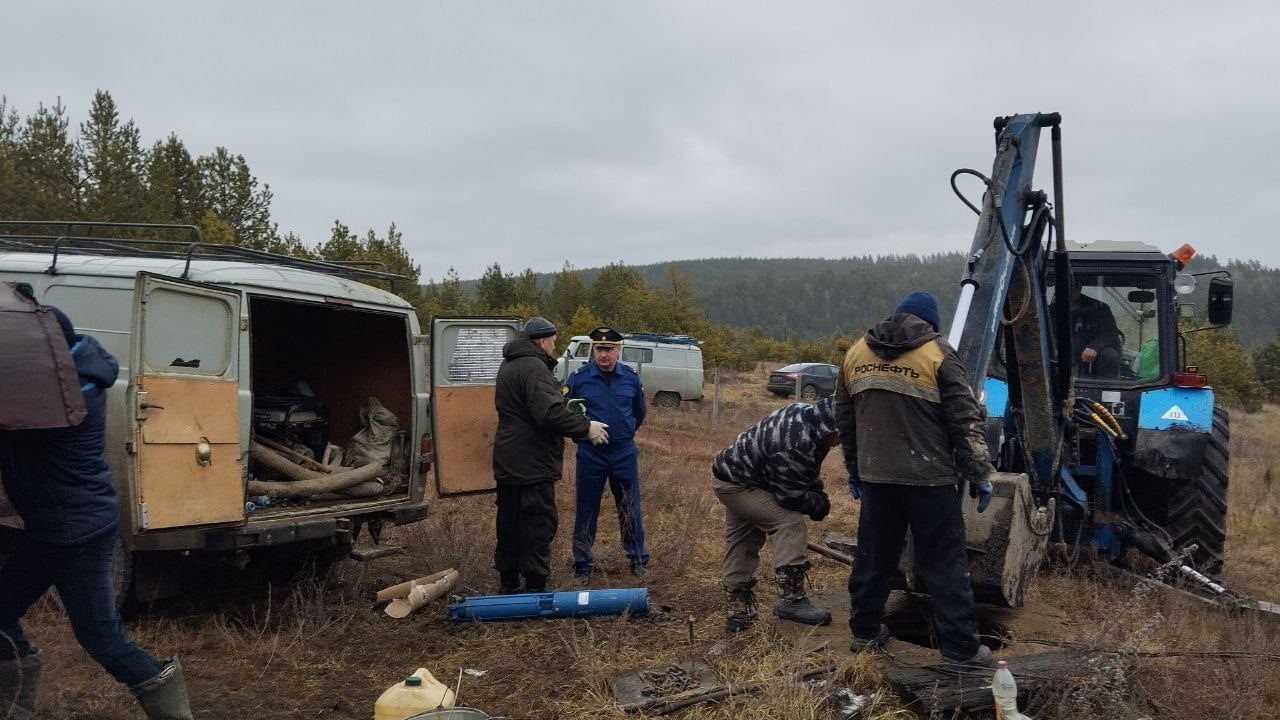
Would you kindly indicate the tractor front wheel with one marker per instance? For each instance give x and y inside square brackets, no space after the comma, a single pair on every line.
[1198,505]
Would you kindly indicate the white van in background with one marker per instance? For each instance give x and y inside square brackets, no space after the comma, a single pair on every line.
[670,366]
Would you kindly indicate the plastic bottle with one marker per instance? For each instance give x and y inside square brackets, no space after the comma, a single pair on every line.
[1005,691]
[417,693]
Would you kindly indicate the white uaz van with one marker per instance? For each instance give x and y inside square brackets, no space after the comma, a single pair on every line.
[223,350]
[670,366]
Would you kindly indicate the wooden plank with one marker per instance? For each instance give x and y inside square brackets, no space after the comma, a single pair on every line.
[173,488]
[466,424]
[186,409]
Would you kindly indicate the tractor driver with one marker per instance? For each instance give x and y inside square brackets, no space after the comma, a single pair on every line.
[1094,335]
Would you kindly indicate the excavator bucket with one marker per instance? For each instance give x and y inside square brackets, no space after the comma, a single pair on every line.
[1008,542]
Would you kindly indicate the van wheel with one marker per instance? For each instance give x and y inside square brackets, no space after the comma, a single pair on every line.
[667,400]
[809,393]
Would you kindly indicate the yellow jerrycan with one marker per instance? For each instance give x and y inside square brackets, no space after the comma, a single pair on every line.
[416,693]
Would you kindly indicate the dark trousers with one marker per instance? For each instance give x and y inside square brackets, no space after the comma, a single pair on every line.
[82,575]
[616,466]
[527,523]
[937,530]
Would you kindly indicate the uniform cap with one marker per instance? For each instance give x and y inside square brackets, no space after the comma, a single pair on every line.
[922,305]
[539,327]
[605,335]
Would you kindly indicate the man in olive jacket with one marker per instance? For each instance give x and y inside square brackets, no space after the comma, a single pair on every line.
[533,421]
[911,431]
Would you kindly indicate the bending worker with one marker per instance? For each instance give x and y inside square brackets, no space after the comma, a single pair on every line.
[59,482]
[911,430]
[528,452]
[768,481]
[613,395]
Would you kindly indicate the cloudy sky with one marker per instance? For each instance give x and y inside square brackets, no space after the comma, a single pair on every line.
[531,133]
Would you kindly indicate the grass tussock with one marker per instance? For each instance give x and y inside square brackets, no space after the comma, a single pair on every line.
[317,648]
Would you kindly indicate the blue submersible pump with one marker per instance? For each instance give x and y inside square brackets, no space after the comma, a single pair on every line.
[550,604]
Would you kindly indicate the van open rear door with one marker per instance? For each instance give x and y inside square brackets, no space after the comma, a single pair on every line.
[184,401]
[465,355]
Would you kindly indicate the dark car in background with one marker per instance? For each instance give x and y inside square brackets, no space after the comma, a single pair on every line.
[815,380]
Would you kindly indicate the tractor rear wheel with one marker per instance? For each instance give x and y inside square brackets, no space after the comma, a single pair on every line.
[1198,506]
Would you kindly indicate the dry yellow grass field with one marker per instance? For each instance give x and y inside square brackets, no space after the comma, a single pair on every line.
[320,649]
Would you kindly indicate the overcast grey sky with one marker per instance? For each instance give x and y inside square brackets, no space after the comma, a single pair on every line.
[531,133]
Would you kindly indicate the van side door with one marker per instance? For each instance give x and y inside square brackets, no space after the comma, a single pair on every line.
[183,402]
[465,355]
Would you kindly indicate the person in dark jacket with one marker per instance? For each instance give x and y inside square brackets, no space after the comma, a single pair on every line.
[768,481]
[59,483]
[1095,337]
[528,452]
[911,431]
[611,393]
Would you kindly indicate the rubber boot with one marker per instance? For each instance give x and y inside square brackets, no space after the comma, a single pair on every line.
[18,681]
[508,583]
[794,604]
[164,697]
[535,583]
[742,609]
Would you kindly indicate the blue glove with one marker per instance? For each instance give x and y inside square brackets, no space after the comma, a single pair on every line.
[855,488]
[984,494]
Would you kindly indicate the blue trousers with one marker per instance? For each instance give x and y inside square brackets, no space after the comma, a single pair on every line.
[82,575]
[617,466]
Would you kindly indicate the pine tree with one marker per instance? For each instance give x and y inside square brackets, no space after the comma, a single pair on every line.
[1219,355]
[10,185]
[45,160]
[383,254]
[527,293]
[1266,363]
[567,293]
[495,291]
[231,191]
[112,161]
[173,184]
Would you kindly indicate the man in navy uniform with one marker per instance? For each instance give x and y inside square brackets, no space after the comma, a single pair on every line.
[613,395]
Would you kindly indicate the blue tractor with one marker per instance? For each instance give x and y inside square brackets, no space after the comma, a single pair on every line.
[1104,437]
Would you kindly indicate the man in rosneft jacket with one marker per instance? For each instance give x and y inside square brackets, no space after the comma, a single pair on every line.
[613,395]
[911,430]
[59,482]
[528,455]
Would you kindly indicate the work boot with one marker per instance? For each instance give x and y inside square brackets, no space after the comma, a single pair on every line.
[508,583]
[980,659]
[535,583]
[742,609]
[794,604]
[164,697]
[865,644]
[18,681]
[639,570]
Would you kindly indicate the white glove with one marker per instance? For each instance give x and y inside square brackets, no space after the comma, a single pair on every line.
[599,433]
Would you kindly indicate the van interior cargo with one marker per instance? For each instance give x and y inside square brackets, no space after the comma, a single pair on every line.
[320,372]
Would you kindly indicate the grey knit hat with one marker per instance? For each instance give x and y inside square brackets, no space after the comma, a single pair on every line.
[539,327]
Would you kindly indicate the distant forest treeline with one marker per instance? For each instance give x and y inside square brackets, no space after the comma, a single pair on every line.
[809,298]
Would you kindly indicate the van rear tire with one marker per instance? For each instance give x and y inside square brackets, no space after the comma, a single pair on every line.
[668,400]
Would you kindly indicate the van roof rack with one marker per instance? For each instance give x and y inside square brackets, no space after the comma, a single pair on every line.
[659,337]
[77,237]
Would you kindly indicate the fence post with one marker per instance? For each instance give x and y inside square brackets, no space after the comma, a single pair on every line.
[715,397]
[799,382]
